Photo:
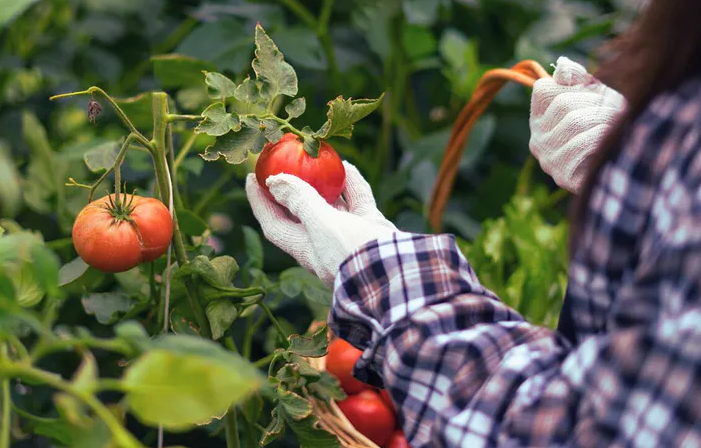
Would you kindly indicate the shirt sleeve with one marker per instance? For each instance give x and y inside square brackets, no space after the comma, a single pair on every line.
[465,370]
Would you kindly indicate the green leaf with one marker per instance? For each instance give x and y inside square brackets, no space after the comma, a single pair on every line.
[296,108]
[190,223]
[277,77]
[28,292]
[221,314]
[107,306]
[301,46]
[254,247]
[177,70]
[272,130]
[45,265]
[72,271]
[102,156]
[418,42]
[96,435]
[9,9]
[248,91]
[224,42]
[10,189]
[313,346]
[252,408]
[275,429]
[86,376]
[296,280]
[343,114]
[327,388]
[219,86]
[182,322]
[296,407]
[217,121]
[139,109]
[187,380]
[310,434]
[219,271]
[235,146]
[71,409]
[422,12]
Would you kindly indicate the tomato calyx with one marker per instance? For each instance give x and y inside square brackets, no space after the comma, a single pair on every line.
[121,209]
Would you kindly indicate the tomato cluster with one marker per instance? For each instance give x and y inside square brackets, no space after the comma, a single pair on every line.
[371,411]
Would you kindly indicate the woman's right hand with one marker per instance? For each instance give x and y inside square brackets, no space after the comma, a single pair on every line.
[570,114]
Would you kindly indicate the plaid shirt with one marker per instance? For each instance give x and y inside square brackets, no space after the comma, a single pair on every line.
[465,370]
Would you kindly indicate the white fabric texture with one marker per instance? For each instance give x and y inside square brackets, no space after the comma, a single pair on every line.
[322,236]
[570,114]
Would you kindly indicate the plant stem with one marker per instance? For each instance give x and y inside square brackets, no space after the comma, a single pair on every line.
[171,118]
[301,12]
[184,151]
[232,428]
[171,162]
[118,110]
[160,111]
[6,405]
[272,318]
[262,362]
[121,436]
[251,330]
[44,348]
[117,163]
[212,191]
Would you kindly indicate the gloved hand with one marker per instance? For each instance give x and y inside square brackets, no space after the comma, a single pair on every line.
[324,235]
[570,114]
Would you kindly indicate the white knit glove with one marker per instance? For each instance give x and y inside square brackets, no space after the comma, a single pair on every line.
[323,236]
[570,114]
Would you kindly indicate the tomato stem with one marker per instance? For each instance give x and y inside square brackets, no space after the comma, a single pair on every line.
[5,400]
[159,155]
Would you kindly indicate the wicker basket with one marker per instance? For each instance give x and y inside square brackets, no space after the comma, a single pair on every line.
[526,73]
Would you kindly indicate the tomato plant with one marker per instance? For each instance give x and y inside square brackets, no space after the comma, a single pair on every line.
[323,171]
[114,235]
[370,415]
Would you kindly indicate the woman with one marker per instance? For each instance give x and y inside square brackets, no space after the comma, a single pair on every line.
[463,369]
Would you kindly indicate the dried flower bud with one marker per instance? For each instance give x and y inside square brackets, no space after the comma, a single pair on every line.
[94,109]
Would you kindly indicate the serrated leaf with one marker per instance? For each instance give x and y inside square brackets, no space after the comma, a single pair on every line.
[217,121]
[248,91]
[219,86]
[310,434]
[72,271]
[221,314]
[275,429]
[235,146]
[296,108]
[296,407]
[309,373]
[327,388]
[296,280]
[277,76]
[343,114]
[272,130]
[186,381]
[312,346]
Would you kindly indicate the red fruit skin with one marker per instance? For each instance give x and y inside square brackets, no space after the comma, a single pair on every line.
[117,246]
[340,361]
[385,396]
[370,415]
[398,440]
[325,172]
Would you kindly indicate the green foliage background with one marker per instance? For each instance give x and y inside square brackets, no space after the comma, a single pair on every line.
[426,54]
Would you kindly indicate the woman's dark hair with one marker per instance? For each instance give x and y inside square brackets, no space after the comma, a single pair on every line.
[658,53]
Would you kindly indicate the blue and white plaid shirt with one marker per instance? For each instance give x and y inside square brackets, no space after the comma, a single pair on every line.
[465,370]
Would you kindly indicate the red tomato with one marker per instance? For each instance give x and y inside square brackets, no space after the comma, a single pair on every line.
[385,396]
[398,440]
[370,415]
[325,172]
[340,361]
[115,239]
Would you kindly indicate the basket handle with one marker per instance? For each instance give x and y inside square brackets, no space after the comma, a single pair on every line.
[525,73]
